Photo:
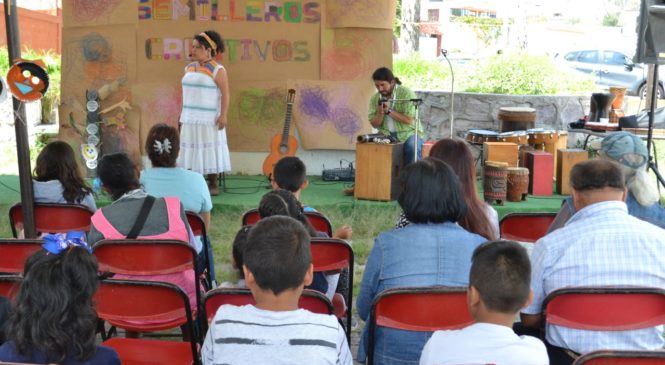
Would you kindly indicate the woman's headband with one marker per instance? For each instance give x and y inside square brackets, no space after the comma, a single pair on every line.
[207,38]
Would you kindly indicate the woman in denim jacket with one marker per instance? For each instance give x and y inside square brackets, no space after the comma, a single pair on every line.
[432,250]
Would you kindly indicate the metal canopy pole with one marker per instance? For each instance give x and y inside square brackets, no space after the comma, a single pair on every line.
[20,127]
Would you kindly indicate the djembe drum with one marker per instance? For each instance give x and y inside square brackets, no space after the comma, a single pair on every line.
[517,118]
[517,184]
[495,175]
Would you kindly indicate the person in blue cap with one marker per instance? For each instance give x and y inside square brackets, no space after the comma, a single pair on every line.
[643,197]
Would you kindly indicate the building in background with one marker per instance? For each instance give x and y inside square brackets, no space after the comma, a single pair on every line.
[40,24]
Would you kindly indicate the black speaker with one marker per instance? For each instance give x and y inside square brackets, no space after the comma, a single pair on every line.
[648,47]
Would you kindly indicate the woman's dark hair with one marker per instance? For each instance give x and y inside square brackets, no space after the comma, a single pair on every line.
[431,193]
[283,202]
[118,174]
[53,312]
[384,74]
[239,243]
[155,145]
[456,153]
[57,162]
[215,37]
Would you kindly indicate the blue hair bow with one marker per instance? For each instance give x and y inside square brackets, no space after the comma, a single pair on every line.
[55,243]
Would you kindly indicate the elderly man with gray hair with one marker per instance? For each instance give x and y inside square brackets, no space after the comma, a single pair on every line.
[600,245]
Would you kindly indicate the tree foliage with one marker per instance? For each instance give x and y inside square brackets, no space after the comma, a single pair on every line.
[488,30]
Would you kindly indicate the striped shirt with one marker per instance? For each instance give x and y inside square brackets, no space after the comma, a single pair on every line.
[248,335]
[600,245]
[200,94]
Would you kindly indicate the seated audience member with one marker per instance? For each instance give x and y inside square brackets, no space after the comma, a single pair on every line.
[600,245]
[432,250]
[57,178]
[480,217]
[53,319]
[165,218]
[498,289]
[165,179]
[290,174]
[643,197]
[277,265]
[239,243]
[283,202]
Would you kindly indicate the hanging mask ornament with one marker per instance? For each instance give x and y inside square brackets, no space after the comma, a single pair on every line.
[27,80]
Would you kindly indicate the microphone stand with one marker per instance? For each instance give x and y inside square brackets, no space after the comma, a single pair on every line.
[416,102]
[444,52]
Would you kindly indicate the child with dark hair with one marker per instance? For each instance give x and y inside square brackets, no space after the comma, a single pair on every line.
[53,318]
[277,265]
[498,288]
[57,178]
[290,174]
[283,202]
[239,243]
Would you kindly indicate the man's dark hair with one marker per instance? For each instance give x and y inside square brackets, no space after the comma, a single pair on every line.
[385,74]
[597,174]
[277,253]
[431,193]
[158,136]
[118,174]
[289,173]
[501,272]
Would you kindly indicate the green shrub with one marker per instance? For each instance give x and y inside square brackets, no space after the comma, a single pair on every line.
[523,74]
[421,74]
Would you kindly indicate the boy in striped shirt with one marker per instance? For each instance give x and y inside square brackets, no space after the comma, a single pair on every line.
[277,265]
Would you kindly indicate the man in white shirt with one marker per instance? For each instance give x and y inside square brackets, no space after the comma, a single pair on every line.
[498,289]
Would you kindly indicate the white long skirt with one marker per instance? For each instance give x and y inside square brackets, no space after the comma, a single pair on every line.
[203,149]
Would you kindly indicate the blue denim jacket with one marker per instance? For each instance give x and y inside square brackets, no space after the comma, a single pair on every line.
[416,255]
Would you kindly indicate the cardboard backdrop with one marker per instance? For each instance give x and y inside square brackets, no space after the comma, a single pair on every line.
[134,53]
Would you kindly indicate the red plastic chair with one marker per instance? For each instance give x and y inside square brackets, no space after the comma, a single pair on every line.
[605,309]
[311,300]
[316,219]
[14,252]
[422,309]
[330,254]
[199,229]
[10,285]
[610,357]
[125,303]
[52,218]
[146,257]
[525,227]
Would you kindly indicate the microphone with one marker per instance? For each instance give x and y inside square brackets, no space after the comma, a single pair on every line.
[418,100]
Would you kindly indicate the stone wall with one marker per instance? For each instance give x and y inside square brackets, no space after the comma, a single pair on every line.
[480,111]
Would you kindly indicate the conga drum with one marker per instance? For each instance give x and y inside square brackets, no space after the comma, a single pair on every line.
[495,176]
[480,136]
[542,139]
[517,118]
[518,137]
[517,184]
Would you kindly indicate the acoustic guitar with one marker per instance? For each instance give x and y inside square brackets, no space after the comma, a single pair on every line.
[282,144]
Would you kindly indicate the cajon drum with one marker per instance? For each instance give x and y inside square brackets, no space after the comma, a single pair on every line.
[427,147]
[377,171]
[501,152]
[540,168]
[562,142]
[566,159]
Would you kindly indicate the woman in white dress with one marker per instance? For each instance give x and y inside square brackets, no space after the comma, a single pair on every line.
[205,104]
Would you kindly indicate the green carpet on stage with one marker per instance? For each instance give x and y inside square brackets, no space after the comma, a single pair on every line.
[244,192]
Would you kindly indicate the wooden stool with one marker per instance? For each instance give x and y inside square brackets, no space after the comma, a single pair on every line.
[495,176]
[540,168]
[377,171]
[566,159]
[501,152]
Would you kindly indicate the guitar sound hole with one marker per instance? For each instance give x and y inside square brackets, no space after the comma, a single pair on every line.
[283,149]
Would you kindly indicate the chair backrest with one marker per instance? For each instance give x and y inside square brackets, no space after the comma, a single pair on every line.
[316,219]
[605,309]
[199,229]
[311,300]
[52,218]
[618,357]
[10,285]
[422,309]
[525,227]
[14,252]
[136,306]
[144,257]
